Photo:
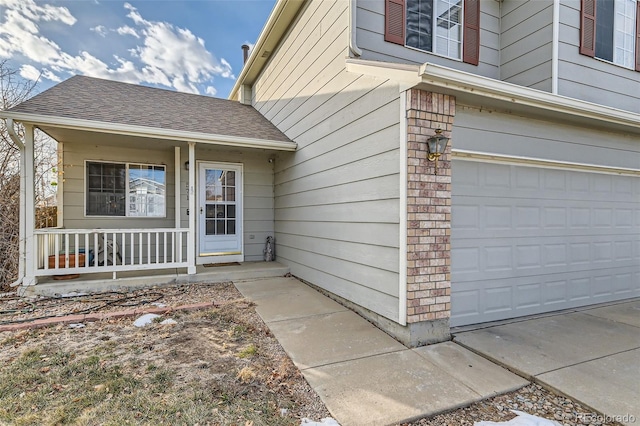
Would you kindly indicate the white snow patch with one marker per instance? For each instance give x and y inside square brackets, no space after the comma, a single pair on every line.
[145,319]
[76,325]
[159,305]
[169,321]
[327,421]
[522,419]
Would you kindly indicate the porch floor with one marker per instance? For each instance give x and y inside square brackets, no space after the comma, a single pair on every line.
[89,283]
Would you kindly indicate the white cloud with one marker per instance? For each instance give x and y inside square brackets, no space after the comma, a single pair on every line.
[29,72]
[100,29]
[127,30]
[166,55]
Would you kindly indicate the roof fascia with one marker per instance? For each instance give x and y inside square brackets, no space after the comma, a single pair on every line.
[509,94]
[146,132]
[276,26]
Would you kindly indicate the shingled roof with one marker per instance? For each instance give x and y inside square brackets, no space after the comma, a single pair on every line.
[99,100]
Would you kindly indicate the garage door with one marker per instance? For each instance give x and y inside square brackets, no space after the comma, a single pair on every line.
[527,240]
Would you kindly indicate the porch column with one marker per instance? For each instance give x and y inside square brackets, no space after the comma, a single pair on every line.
[191,249]
[177,188]
[29,207]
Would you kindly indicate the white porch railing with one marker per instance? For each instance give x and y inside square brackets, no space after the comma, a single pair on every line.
[75,251]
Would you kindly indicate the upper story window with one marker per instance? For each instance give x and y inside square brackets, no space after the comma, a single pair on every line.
[450,28]
[610,30]
[124,189]
[435,26]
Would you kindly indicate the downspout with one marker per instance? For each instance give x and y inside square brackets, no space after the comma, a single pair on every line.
[555,46]
[11,130]
[353,47]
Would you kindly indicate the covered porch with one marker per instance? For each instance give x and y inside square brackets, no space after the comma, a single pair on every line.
[148,196]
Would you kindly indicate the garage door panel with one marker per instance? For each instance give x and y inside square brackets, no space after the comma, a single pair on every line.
[496,299]
[530,240]
[530,182]
[496,258]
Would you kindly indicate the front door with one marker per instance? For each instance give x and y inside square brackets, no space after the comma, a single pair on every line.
[220,212]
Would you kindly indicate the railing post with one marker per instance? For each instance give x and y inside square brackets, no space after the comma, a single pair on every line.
[191,245]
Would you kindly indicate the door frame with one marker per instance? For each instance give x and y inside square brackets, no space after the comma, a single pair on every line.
[204,258]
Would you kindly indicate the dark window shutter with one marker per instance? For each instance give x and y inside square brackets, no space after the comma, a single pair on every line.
[394,21]
[588,28]
[471,35]
[638,37]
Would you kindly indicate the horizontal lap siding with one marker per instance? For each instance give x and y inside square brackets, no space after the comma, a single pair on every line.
[591,79]
[370,39]
[74,157]
[337,197]
[526,42]
[258,194]
[509,134]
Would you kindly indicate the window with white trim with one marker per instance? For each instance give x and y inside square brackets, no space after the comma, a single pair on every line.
[435,26]
[616,31]
[125,189]
[610,30]
[450,28]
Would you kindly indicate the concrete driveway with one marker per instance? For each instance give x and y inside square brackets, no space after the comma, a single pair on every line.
[591,355]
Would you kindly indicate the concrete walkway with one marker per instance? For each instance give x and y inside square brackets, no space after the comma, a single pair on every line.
[591,355]
[364,376]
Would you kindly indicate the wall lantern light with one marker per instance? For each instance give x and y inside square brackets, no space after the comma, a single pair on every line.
[186,165]
[436,145]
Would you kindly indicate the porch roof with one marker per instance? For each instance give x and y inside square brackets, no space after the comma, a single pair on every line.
[92,104]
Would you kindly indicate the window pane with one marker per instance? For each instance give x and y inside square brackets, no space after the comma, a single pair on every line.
[210,227]
[146,190]
[625,32]
[220,228]
[231,227]
[604,30]
[231,194]
[105,189]
[419,24]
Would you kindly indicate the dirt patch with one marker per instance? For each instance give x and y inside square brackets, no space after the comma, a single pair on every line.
[217,366]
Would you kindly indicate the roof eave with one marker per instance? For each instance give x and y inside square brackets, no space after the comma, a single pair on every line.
[147,132]
[513,95]
[277,24]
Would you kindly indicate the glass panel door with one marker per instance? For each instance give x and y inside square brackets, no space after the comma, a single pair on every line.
[220,209]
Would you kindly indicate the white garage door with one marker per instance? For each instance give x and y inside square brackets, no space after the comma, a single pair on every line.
[528,240]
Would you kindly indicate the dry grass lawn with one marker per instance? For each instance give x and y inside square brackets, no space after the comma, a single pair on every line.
[219,366]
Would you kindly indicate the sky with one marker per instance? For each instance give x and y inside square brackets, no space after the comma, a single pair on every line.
[190,46]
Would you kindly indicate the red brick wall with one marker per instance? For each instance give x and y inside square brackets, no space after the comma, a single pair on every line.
[428,208]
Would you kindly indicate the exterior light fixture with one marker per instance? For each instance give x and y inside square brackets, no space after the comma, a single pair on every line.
[186,165]
[436,145]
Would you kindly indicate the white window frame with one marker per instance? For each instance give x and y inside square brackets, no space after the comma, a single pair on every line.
[627,52]
[126,190]
[434,25]
[616,60]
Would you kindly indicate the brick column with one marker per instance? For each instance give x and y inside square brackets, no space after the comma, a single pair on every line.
[428,215]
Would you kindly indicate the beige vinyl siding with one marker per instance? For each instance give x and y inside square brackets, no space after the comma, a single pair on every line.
[337,197]
[258,193]
[370,39]
[592,79]
[526,43]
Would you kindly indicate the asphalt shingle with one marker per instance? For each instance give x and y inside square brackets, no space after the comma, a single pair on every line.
[109,101]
